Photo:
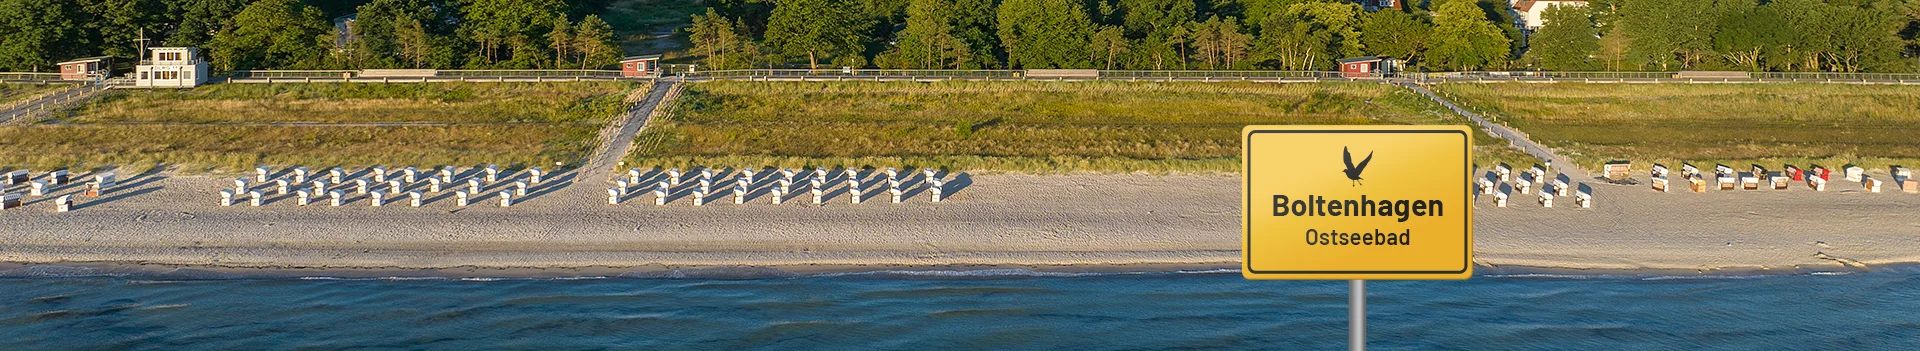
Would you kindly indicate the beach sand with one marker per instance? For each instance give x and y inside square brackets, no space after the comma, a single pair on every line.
[1050,222]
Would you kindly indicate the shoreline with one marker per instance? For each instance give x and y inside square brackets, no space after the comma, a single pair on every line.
[728,272]
[1037,223]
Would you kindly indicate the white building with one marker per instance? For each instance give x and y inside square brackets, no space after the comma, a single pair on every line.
[175,67]
[1527,12]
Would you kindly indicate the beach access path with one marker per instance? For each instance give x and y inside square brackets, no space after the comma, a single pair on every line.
[990,220]
[1514,137]
[615,147]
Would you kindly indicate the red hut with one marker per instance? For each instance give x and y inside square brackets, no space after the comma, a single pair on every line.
[82,69]
[1794,171]
[639,66]
[1365,66]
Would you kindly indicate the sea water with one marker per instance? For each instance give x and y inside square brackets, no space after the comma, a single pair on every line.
[54,308]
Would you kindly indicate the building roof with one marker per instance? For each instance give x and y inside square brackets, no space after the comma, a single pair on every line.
[1362,59]
[1527,5]
[87,59]
[641,58]
[1379,4]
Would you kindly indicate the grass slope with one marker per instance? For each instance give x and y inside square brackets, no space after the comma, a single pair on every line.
[13,91]
[589,102]
[237,126]
[1827,124]
[1038,127]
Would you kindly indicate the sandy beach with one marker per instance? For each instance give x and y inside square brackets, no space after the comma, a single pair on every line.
[1057,222]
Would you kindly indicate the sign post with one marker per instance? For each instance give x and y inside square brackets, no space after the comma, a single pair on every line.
[1356,315]
[1357,203]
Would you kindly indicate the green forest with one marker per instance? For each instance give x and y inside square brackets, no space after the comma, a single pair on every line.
[1435,35]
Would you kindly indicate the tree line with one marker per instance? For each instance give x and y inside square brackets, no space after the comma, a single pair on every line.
[1437,35]
[1777,35]
[1434,35]
[292,34]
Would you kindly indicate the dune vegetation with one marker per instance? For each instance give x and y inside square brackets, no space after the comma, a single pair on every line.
[14,91]
[1033,127]
[1827,124]
[231,127]
[466,103]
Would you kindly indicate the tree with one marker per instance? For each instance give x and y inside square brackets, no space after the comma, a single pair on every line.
[1260,10]
[818,28]
[1665,33]
[1045,33]
[1501,14]
[1179,38]
[1109,42]
[1219,42]
[974,23]
[1154,24]
[37,32]
[379,24]
[715,37]
[1394,34]
[1309,35]
[1290,41]
[118,23]
[510,23]
[1463,40]
[198,20]
[594,39]
[1862,38]
[1568,41]
[928,41]
[277,34]
[414,43]
[1340,19]
[1613,47]
[561,39]
[1745,36]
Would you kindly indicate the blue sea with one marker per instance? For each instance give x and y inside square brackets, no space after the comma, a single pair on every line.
[56,308]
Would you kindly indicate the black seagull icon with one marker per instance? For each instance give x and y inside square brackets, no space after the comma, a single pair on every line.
[1353,172]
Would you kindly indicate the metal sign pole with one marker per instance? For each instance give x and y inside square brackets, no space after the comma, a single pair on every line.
[1357,315]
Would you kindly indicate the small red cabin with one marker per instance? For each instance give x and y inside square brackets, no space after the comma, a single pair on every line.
[640,66]
[1366,66]
[82,69]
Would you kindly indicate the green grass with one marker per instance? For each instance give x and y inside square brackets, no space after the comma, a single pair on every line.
[582,102]
[233,127]
[1032,127]
[13,91]
[201,148]
[1827,124]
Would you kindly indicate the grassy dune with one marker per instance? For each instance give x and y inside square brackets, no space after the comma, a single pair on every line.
[10,92]
[231,127]
[588,102]
[232,148]
[1827,124]
[1040,127]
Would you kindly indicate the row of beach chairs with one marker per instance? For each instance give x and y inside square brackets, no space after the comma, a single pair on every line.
[782,184]
[1495,183]
[335,186]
